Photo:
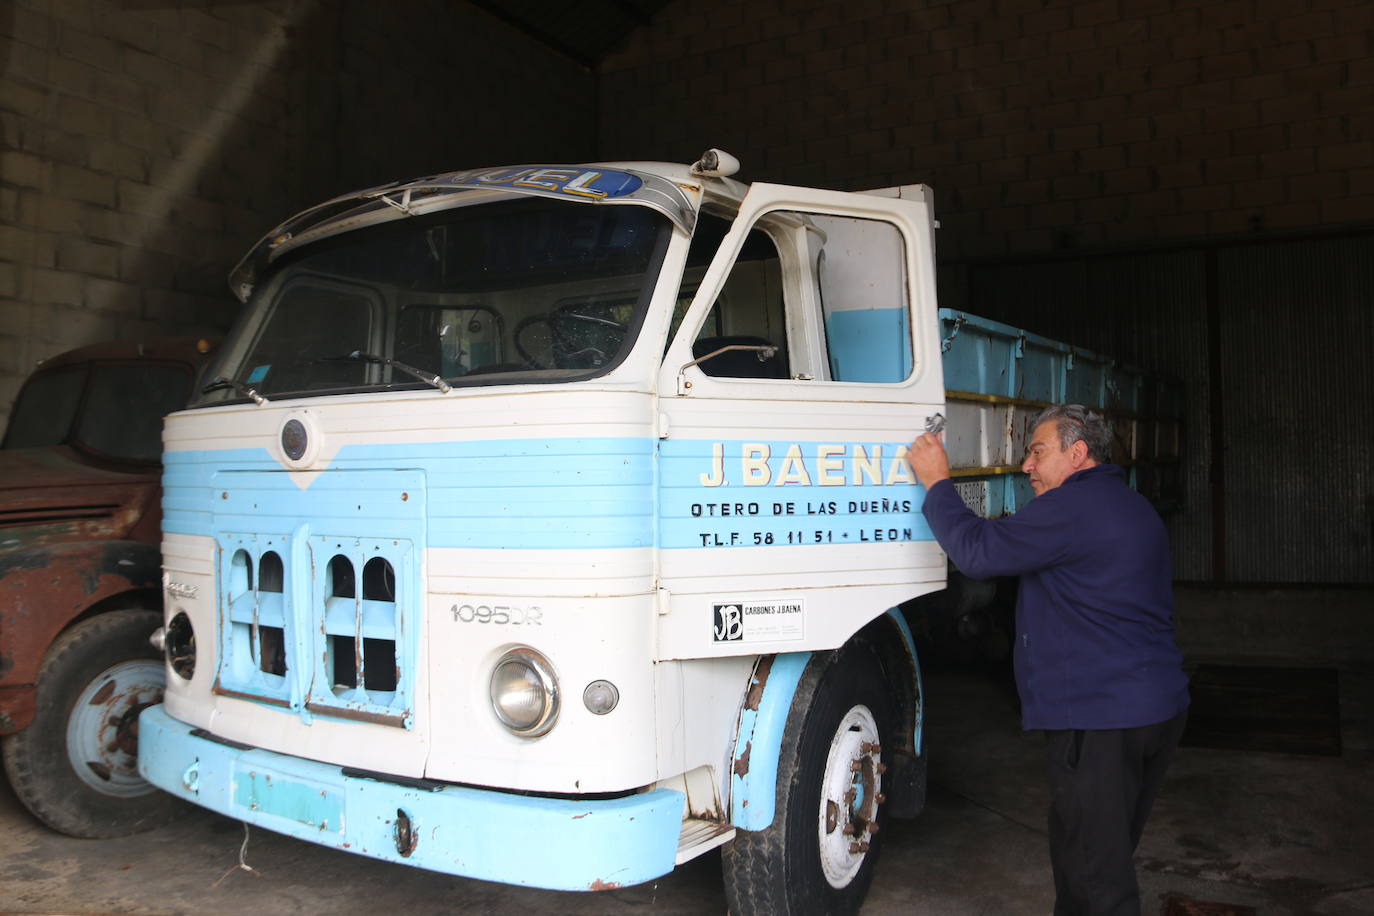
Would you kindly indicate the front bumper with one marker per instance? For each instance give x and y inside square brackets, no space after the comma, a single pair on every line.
[556,843]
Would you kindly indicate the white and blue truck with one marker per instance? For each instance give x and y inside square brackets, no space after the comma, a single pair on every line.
[565,508]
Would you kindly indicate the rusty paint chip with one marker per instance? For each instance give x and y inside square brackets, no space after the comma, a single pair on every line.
[599,885]
[741,767]
[755,695]
[103,693]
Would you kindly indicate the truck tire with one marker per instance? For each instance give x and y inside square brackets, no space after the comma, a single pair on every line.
[829,781]
[76,765]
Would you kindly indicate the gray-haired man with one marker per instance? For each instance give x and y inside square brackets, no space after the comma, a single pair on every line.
[1096,663]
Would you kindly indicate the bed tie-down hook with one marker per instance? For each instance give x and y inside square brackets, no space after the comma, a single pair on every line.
[954,332]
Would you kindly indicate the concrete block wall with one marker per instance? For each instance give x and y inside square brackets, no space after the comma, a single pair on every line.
[1042,125]
[145,146]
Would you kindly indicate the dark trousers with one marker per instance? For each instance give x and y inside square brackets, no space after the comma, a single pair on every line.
[1102,785]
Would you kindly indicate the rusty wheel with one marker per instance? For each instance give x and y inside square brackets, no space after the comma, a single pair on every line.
[102,730]
[76,765]
[818,855]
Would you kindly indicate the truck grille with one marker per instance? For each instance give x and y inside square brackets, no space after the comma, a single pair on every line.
[321,624]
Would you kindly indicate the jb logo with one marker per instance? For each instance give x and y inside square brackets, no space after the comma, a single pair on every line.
[729,622]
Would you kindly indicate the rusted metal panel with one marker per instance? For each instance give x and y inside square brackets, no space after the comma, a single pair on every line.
[42,590]
[47,512]
[18,705]
[76,531]
[759,683]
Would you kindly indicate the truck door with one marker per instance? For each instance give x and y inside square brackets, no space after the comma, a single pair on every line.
[806,361]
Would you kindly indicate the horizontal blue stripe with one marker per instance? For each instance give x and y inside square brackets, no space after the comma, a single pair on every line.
[856,511]
[513,494]
[554,494]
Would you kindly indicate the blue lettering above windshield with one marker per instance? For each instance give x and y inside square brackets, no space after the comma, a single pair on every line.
[586,184]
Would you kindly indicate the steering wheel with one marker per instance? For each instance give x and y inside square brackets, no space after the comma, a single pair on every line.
[559,343]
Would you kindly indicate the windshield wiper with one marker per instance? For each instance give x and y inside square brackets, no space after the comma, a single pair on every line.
[240,387]
[426,377]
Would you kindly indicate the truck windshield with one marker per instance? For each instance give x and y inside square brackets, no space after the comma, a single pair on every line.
[517,291]
[111,410]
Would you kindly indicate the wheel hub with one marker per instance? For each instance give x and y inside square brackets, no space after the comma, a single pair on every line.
[102,730]
[851,788]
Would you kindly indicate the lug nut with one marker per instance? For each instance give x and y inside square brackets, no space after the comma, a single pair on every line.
[858,847]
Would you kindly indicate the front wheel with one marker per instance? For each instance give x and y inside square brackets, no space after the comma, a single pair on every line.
[76,765]
[818,855]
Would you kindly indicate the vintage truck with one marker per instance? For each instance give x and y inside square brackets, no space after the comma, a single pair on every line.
[79,579]
[550,525]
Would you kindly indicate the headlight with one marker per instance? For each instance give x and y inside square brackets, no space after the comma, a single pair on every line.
[524,692]
[179,645]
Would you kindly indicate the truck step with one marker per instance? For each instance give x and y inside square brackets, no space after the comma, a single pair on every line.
[698,836]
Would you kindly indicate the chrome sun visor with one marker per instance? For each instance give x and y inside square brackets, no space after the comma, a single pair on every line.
[590,184]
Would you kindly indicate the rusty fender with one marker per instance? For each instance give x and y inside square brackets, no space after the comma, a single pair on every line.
[43,590]
[758,741]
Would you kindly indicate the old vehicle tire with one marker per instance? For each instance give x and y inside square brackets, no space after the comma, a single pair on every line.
[76,765]
[805,862]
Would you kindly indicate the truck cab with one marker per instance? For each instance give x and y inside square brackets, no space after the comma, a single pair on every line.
[568,506]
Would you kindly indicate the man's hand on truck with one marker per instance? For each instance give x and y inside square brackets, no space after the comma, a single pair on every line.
[927,458]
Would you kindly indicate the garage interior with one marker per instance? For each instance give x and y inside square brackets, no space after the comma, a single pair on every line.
[1187,185]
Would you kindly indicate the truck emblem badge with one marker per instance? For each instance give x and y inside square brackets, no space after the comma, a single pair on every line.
[294,439]
[179,589]
[729,623]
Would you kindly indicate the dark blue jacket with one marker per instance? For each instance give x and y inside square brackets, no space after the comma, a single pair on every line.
[1095,613]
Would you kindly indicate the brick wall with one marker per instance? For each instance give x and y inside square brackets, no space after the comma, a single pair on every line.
[1041,124]
[145,146]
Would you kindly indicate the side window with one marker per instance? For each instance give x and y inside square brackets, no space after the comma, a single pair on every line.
[313,318]
[861,283]
[46,407]
[748,312]
[828,294]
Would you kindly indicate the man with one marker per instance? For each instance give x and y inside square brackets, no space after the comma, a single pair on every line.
[1096,663]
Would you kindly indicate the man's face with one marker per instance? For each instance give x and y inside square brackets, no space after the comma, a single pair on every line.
[1047,464]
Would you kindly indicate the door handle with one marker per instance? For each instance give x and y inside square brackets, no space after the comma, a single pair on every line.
[935,424]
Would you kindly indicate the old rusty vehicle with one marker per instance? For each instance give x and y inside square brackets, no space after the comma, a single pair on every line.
[80,516]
